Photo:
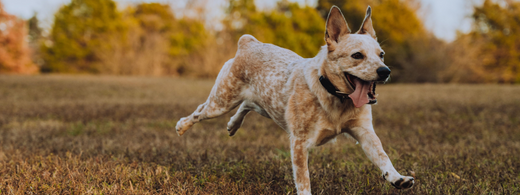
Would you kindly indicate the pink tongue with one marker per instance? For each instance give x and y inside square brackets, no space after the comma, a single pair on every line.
[360,95]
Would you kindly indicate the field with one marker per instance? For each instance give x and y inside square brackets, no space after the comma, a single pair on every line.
[115,135]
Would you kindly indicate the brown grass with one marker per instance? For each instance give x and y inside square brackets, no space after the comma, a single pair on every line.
[115,135]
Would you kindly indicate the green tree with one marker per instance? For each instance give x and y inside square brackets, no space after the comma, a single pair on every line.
[35,39]
[300,29]
[81,31]
[35,32]
[162,36]
[185,35]
[91,36]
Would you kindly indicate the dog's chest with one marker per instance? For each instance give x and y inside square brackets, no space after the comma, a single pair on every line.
[325,135]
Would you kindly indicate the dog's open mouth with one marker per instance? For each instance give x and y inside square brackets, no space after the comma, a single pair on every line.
[364,91]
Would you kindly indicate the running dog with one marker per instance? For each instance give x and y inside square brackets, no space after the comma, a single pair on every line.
[312,99]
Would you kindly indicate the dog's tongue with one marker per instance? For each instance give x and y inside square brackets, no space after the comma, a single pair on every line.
[360,95]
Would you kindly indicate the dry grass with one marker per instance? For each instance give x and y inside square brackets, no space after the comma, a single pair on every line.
[115,135]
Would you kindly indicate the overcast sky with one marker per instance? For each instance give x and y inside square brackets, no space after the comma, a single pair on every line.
[443,17]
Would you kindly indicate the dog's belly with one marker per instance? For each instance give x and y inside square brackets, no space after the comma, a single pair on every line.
[259,110]
[266,104]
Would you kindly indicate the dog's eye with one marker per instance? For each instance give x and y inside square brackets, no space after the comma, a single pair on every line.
[382,55]
[357,56]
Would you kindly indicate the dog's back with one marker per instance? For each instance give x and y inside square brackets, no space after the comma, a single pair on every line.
[258,61]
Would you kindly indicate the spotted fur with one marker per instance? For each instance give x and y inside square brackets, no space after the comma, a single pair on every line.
[281,85]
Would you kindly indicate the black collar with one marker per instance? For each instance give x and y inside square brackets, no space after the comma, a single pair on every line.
[325,82]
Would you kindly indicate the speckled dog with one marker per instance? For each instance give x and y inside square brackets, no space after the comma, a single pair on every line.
[313,99]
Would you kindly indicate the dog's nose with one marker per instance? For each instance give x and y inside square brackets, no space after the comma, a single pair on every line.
[383,73]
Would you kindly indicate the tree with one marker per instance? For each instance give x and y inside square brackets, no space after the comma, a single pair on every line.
[159,42]
[496,31]
[144,51]
[35,32]
[80,33]
[35,39]
[14,51]
[300,29]
[91,36]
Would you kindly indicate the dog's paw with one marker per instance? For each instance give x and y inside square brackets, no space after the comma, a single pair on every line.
[232,128]
[183,125]
[232,131]
[402,182]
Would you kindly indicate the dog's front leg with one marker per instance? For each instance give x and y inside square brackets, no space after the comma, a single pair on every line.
[374,150]
[299,156]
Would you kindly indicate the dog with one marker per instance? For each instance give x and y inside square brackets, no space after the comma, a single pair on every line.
[313,100]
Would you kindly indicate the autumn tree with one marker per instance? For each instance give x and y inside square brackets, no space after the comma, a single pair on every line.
[92,36]
[145,49]
[14,51]
[496,32]
[82,30]
[158,42]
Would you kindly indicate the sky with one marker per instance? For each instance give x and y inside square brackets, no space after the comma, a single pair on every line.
[443,17]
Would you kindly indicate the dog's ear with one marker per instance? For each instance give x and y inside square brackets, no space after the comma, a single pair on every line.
[336,27]
[366,27]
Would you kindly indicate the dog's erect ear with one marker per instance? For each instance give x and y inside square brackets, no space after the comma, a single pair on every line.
[366,27]
[336,27]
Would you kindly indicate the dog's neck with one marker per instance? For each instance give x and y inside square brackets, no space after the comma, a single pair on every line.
[324,88]
[325,82]
[335,108]
[323,76]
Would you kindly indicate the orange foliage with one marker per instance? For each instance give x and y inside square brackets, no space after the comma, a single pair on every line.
[14,51]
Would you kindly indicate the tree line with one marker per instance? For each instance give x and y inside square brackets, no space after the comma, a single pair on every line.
[97,37]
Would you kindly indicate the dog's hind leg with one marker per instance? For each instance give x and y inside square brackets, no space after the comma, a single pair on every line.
[224,96]
[236,121]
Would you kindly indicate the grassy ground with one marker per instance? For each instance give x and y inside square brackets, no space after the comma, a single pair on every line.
[115,135]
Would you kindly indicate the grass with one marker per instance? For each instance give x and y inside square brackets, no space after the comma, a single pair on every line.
[115,135]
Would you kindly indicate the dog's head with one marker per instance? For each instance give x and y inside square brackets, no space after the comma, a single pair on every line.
[355,62]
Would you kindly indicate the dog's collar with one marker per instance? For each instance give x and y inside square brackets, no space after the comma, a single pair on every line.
[325,82]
